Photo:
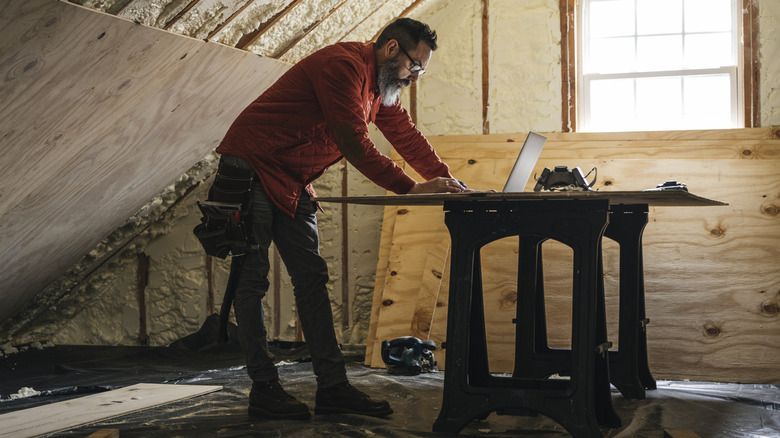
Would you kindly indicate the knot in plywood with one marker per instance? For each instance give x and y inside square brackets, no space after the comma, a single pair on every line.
[711,330]
[27,66]
[717,231]
[508,300]
[770,209]
[421,323]
[771,307]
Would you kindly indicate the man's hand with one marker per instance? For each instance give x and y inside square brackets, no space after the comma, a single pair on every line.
[439,185]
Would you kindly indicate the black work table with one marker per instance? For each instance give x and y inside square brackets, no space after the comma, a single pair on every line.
[582,404]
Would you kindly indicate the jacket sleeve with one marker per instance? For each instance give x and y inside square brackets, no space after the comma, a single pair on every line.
[411,144]
[340,89]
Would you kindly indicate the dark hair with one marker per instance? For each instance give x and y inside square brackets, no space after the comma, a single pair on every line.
[408,33]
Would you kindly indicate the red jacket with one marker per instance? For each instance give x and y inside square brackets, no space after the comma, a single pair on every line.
[287,134]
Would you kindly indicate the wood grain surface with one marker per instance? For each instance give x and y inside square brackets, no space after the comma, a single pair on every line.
[712,273]
[64,415]
[99,115]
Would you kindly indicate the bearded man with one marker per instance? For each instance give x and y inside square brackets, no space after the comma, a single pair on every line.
[316,114]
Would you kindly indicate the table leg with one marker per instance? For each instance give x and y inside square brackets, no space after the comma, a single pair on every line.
[629,370]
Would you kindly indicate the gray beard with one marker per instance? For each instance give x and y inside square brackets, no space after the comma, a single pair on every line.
[389,83]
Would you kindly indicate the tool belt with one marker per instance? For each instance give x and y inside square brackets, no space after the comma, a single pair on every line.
[226,227]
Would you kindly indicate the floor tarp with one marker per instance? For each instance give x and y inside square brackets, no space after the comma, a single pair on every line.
[63,372]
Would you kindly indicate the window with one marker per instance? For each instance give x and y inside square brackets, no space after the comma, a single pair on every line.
[659,65]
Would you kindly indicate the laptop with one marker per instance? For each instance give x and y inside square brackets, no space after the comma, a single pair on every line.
[524,165]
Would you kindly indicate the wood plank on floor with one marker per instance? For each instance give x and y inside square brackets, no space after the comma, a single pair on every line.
[55,417]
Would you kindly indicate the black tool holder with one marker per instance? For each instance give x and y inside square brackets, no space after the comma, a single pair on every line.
[581,404]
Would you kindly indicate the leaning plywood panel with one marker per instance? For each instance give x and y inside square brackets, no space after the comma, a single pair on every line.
[388,223]
[406,261]
[99,115]
[54,417]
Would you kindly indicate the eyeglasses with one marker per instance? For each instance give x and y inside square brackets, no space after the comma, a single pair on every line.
[415,68]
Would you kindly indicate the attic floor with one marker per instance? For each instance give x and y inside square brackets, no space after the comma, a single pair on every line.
[66,372]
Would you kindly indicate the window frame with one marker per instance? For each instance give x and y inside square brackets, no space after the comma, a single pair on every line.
[747,70]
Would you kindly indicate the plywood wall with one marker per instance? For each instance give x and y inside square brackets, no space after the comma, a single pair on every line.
[712,274]
[99,115]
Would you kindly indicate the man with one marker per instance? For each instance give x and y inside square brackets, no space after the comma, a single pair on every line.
[313,116]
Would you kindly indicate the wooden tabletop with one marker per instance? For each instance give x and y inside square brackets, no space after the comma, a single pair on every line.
[669,198]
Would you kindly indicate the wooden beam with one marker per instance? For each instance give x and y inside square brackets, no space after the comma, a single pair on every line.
[143,281]
[410,8]
[309,30]
[381,4]
[751,63]
[485,66]
[403,14]
[249,39]
[230,19]
[568,19]
[116,10]
[181,13]
[105,433]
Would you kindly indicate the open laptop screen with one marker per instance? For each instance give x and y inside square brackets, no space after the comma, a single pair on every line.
[525,163]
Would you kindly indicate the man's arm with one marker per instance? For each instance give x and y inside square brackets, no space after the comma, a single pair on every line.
[339,92]
[415,149]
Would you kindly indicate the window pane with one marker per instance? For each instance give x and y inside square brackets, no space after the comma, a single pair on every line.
[655,17]
[610,55]
[659,64]
[707,101]
[708,50]
[659,102]
[612,105]
[707,15]
[611,18]
[659,53]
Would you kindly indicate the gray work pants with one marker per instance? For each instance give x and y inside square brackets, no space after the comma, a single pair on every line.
[297,241]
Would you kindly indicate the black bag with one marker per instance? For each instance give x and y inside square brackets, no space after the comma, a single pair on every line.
[226,228]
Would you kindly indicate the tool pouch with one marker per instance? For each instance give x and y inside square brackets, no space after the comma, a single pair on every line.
[226,227]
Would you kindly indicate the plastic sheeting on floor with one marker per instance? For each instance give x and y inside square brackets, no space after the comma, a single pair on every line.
[63,372]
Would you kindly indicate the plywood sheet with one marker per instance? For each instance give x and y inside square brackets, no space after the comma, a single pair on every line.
[55,417]
[712,273]
[388,224]
[99,115]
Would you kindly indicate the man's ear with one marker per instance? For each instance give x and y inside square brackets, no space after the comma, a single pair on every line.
[390,48]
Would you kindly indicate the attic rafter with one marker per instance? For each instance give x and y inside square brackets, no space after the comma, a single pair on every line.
[403,14]
[226,22]
[381,4]
[119,9]
[180,14]
[308,31]
[250,38]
